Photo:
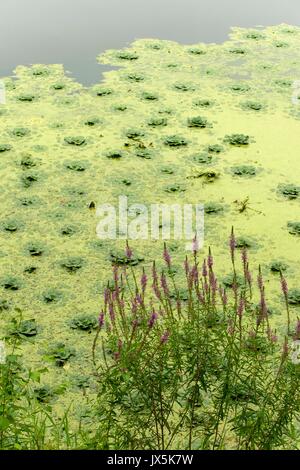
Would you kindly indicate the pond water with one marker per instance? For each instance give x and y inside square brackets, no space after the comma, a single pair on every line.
[73,32]
[216,124]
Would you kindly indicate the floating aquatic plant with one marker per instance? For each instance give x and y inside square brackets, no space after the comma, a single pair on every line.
[101,91]
[197,51]
[294,296]
[278,266]
[60,353]
[204,103]
[238,140]
[11,283]
[252,105]
[144,153]
[120,259]
[75,140]
[114,154]
[294,228]
[11,225]
[203,158]
[84,322]
[20,132]
[175,188]
[24,328]
[243,170]
[76,165]
[4,305]
[92,121]
[157,122]
[148,96]
[119,107]
[52,295]
[213,208]
[29,178]
[215,148]
[43,394]
[256,35]
[58,86]
[240,87]
[134,134]
[290,191]
[175,141]
[40,71]
[244,242]
[184,87]
[35,249]
[135,77]
[127,55]
[27,161]
[72,264]
[198,121]
[26,97]
[68,230]
[5,148]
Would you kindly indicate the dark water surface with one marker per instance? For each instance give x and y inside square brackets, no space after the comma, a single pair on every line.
[73,32]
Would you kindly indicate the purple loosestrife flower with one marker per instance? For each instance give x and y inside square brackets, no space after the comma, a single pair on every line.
[152,320]
[116,274]
[285,348]
[134,306]
[241,307]
[210,260]
[195,274]
[244,257]
[111,312]
[204,269]
[144,281]
[106,296]
[284,286]
[165,337]
[195,245]
[128,251]
[201,298]
[101,320]
[248,275]
[260,281]
[156,291]
[164,285]
[223,296]
[154,273]
[272,335]
[186,266]
[232,245]
[166,256]
[213,281]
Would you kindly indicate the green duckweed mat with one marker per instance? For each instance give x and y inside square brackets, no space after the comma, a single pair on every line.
[217,124]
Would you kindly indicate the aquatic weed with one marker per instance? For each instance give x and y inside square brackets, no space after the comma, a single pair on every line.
[60,353]
[290,191]
[11,283]
[23,328]
[238,140]
[52,295]
[278,266]
[198,121]
[175,141]
[5,148]
[75,140]
[294,228]
[84,322]
[243,170]
[72,264]
[76,165]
